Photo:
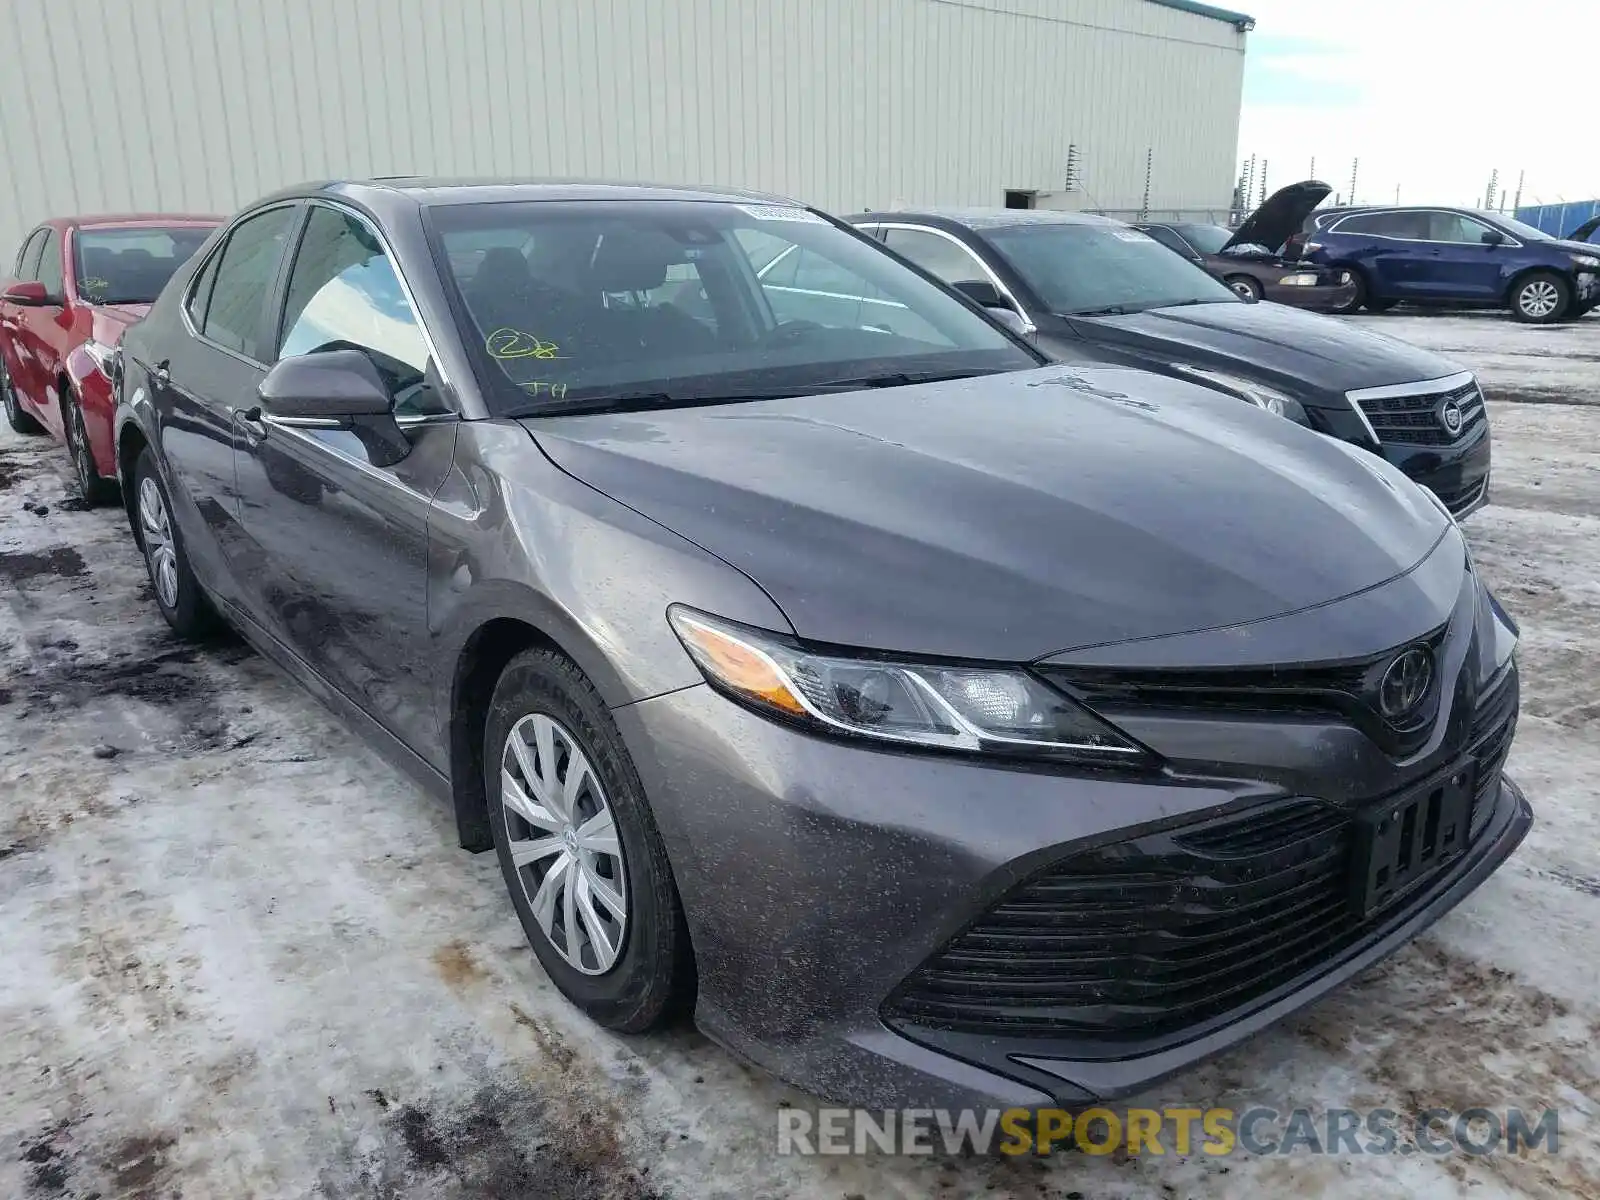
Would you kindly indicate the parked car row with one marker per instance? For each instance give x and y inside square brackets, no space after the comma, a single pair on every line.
[1454,256]
[925,647]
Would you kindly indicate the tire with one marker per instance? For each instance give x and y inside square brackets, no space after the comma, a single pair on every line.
[1358,298]
[177,591]
[1541,298]
[20,421]
[1245,286]
[92,488]
[546,707]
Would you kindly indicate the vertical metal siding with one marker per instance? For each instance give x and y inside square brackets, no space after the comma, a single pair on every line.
[205,104]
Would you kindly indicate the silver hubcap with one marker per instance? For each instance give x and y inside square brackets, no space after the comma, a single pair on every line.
[1244,289]
[1539,298]
[158,547]
[563,841]
[80,448]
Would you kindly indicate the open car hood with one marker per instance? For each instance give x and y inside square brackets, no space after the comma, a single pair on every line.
[1582,232]
[1281,215]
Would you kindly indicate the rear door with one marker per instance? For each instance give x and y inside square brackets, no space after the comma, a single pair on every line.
[1461,265]
[1391,247]
[212,372]
[13,351]
[335,520]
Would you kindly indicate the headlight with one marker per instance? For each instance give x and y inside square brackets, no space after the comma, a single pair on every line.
[1258,394]
[1587,261]
[998,710]
[1303,279]
[105,357]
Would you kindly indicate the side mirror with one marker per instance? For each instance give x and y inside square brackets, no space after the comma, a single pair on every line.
[327,385]
[981,291]
[32,294]
[1493,237]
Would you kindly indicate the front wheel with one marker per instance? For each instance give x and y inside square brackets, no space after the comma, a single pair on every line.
[579,849]
[19,420]
[92,487]
[178,593]
[1246,287]
[1541,298]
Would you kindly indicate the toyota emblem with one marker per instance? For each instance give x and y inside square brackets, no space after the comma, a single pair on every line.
[1405,684]
[1452,417]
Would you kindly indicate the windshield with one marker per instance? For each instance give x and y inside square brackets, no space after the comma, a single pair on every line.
[131,266]
[1080,269]
[1526,232]
[1208,239]
[576,305]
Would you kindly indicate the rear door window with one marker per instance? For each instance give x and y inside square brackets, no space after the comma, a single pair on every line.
[1412,226]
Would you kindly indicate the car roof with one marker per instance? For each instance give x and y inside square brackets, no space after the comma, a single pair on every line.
[985,218]
[429,190]
[129,220]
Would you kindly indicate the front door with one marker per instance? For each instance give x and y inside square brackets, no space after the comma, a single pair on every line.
[212,373]
[1462,266]
[336,519]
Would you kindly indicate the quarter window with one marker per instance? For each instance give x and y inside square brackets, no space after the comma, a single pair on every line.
[49,271]
[940,256]
[236,309]
[344,294]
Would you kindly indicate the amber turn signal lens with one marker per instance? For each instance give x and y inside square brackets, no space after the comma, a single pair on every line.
[737,665]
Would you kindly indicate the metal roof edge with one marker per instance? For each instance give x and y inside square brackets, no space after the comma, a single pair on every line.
[1243,22]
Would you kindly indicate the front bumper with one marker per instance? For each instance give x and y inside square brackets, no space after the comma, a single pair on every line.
[817,877]
[1322,297]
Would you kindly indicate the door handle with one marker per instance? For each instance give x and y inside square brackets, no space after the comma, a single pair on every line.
[249,420]
[159,375]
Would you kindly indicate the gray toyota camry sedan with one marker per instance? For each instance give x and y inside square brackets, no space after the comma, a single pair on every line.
[938,725]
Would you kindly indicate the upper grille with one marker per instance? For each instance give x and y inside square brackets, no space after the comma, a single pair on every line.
[1415,419]
[1348,690]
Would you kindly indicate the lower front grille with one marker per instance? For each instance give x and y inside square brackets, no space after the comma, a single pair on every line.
[1419,419]
[1149,935]
[1459,499]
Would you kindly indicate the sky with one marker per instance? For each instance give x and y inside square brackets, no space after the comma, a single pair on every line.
[1430,95]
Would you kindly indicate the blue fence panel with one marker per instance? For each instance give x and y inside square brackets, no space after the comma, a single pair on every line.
[1558,220]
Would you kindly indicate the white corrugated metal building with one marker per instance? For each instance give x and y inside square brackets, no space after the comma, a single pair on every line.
[201,105]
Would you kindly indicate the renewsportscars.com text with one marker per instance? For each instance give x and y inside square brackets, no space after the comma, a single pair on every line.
[1181,1131]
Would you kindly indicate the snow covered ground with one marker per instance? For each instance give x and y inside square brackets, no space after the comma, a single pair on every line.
[241,957]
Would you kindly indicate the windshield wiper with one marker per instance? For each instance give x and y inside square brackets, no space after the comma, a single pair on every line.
[899,379]
[1110,310]
[640,401]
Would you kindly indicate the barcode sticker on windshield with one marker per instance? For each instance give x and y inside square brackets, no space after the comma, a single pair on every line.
[777,212]
[1131,235]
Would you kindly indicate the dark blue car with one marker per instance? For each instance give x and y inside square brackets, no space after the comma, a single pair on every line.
[1455,256]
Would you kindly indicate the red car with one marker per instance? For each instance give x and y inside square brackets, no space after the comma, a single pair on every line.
[77,284]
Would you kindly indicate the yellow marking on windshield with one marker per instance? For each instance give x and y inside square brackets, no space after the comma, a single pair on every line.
[506,343]
[556,391]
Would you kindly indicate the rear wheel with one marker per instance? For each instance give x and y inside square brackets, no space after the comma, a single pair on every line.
[19,420]
[579,849]
[178,593]
[1245,286]
[1541,298]
[85,475]
[1358,298]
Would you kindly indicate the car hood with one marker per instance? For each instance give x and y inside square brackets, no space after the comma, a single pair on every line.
[111,320]
[1572,246]
[1280,215]
[1009,517]
[1271,342]
[1582,232]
